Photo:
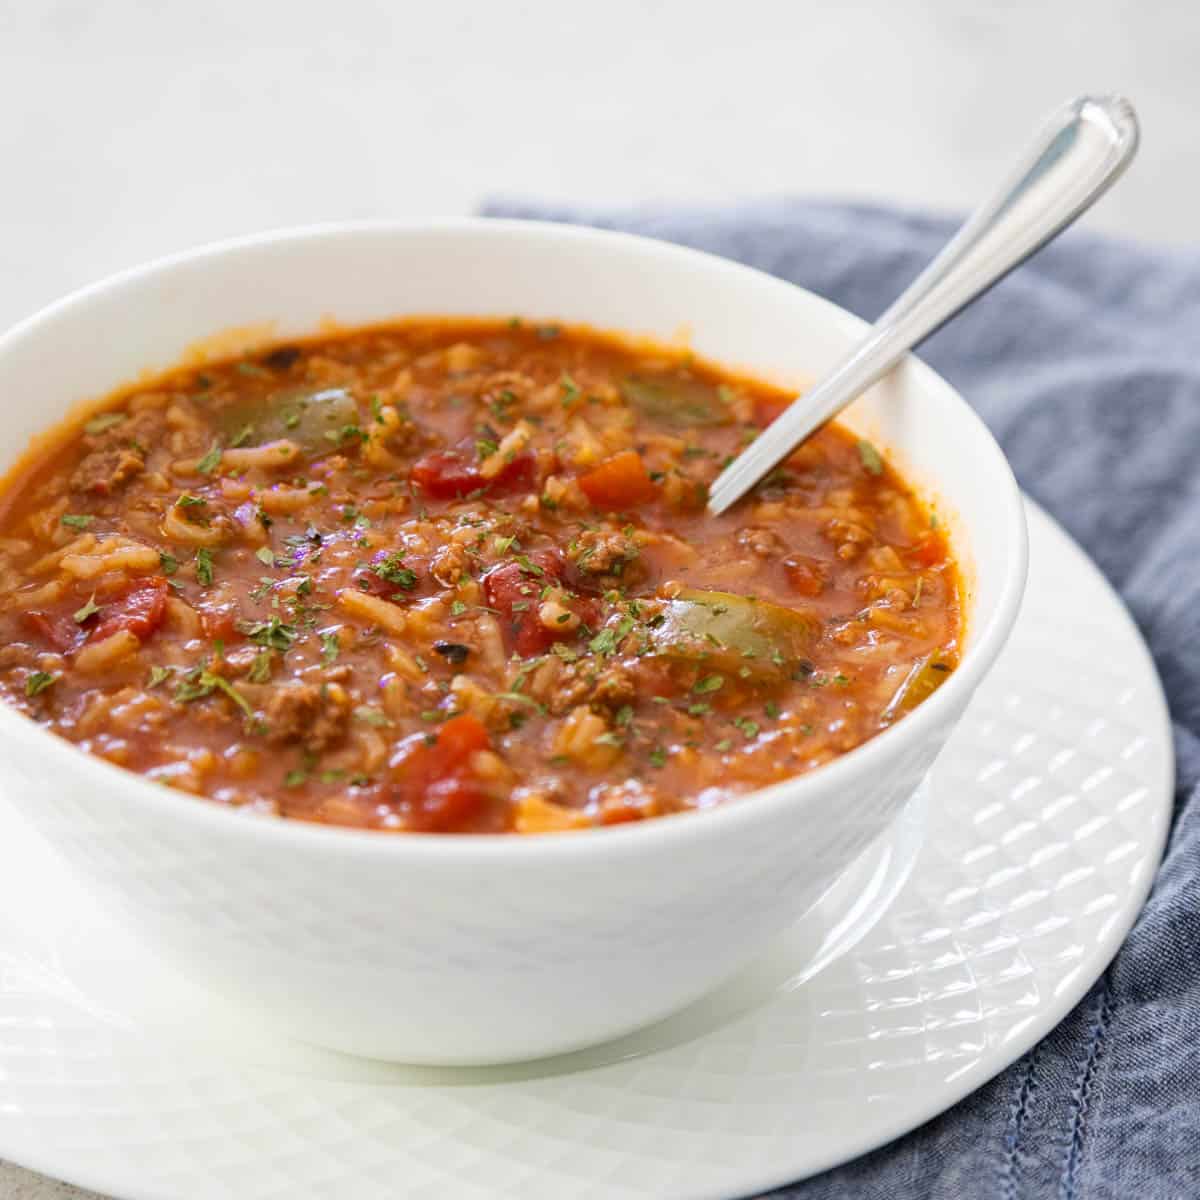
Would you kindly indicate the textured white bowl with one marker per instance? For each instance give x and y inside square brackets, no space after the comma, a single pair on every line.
[467,949]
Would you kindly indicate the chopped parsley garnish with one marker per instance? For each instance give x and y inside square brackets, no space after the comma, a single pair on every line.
[200,682]
[658,757]
[869,457]
[347,433]
[330,648]
[271,633]
[241,437]
[295,777]
[209,463]
[204,566]
[771,709]
[265,555]
[260,668]
[38,682]
[90,608]
[710,683]
[76,520]
[373,716]
[168,562]
[393,570]
[457,608]
[748,727]
[102,422]
[157,675]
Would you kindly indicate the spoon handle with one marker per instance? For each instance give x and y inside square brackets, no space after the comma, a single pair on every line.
[1079,153]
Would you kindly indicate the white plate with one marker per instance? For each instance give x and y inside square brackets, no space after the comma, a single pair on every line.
[1044,821]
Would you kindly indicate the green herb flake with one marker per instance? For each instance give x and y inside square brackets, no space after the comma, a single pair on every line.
[38,682]
[330,648]
[624,714]
[76,520]
[457,608]
[723,745]
[265,555]
[222,684]
[87,610]
[392,570]
[168,562]
[710,683]
[157,675]
[295,778]
[260,668]
[658,757]
[771,709]
[241,437]
[748,727]
[271,633]
[103,422]
[372,716]
[869,456]
[204,566]
[209,463]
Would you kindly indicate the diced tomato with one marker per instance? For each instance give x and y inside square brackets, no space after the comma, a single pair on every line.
[432,783]
[220,624]
[452,474]
[140,607]
[928,552]
[460,737]
[806,575]
[59,633]
[446,475]
[515,476]
[514,591]
[768,408]
[619,482]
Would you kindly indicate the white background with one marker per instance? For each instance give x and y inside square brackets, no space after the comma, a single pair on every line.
[129,130]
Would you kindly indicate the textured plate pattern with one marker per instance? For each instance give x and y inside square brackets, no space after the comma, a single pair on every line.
[1046,818]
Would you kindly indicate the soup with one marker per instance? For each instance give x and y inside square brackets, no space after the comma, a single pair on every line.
[450,576]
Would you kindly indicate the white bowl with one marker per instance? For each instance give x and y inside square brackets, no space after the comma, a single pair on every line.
[477,949]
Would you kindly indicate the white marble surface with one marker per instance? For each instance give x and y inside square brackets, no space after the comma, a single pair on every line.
[134,129]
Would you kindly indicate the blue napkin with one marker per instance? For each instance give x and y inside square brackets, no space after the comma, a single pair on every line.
[1086,365]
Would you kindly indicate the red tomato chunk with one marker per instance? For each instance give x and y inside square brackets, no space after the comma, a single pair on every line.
[432,781]
[140,608]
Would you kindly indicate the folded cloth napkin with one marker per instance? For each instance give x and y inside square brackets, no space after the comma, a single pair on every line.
[1086,365]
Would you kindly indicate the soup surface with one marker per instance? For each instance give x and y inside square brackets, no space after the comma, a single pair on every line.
[458,577]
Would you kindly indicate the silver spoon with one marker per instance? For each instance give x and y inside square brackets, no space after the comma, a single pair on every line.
[1077,156]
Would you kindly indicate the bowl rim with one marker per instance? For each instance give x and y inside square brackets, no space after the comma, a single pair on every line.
[639,837]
